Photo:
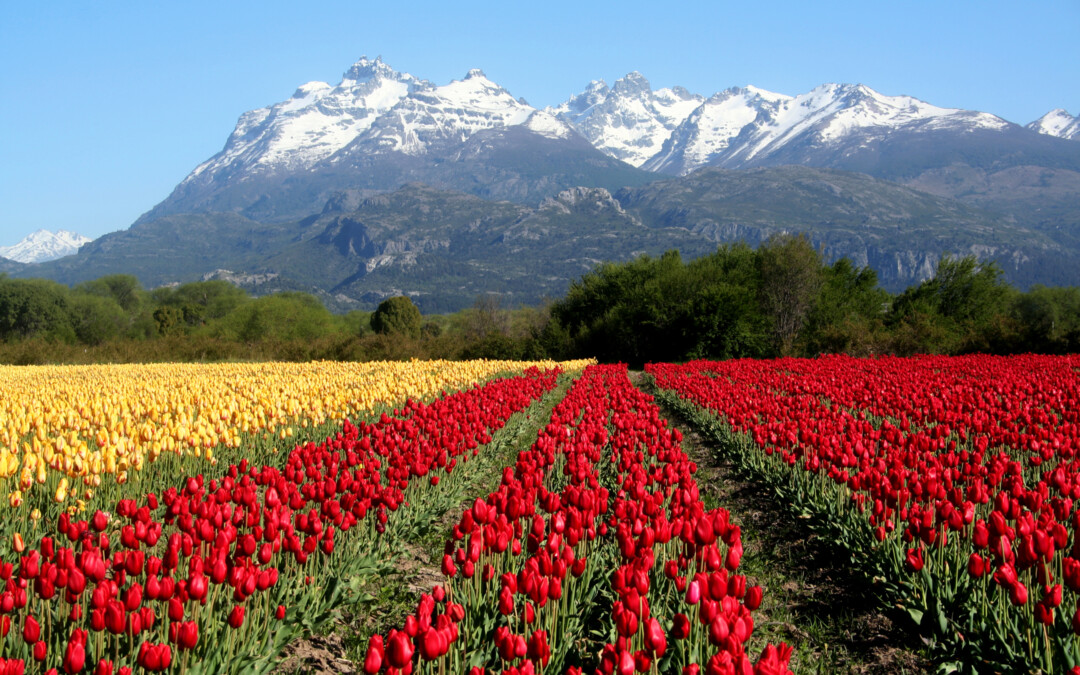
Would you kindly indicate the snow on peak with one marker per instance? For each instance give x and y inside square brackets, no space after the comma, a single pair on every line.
[629,121]
[632,84]
[712,128]
[316,122]
[365,69]
[447,114]
[546,124]
[740,125]
[44,245]
[1058,122]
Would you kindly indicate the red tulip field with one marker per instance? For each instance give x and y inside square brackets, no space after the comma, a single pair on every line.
[948,484]
[950,481]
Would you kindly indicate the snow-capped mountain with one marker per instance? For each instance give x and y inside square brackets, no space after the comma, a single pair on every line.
[317,121]
[44,245]
[742,127]
[373,110]
[1057,123]
[432,116]
[628,121]
[378,129]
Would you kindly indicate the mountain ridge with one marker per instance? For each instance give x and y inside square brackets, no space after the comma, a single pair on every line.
[910,181]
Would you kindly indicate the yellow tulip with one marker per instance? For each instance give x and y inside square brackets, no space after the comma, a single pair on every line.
[61,491]
[126,415]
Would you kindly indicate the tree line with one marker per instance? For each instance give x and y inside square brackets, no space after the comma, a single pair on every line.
[114,319]
[781,299]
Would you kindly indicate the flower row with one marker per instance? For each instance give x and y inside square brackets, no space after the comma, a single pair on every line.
[71,427]
[597,527]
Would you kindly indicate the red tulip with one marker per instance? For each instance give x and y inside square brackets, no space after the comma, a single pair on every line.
[374,659]
[74,657]
[399,650]
[236,616]
[31,630]
[914,559]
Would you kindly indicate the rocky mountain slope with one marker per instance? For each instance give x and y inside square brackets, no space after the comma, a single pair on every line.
[446,247]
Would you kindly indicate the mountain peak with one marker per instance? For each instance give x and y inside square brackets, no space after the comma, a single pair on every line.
[1058,122]
[43,245]
[632,84]
[365,69]
[475,73]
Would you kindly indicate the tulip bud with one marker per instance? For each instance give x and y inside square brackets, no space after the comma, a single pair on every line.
[753,598]
[236,616]
[400,649]
[31,630]
[374,659]
[693,592]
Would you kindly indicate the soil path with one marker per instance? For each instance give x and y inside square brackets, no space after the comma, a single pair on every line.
[811,602]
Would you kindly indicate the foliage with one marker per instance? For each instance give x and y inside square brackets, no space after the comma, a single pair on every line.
[397,315]
[791,273]
[34,308]
[736,302]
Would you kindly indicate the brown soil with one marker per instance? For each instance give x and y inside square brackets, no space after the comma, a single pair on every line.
[317,655]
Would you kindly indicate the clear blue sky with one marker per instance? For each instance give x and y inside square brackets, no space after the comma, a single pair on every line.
[106,106]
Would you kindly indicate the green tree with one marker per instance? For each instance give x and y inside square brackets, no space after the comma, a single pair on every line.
[964,307]
[849,313]
[125,289]
[1050,319]
[217,298]
[96,318]
[34,308]
[397,315]
[167,319]
[282,316]
[790,281]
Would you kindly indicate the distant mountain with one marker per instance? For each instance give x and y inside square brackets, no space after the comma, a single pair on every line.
[379,129]
[898,231]
[1029,176]
[446,247]
[386,183]
[739,128]
[1057,123]
[44,245]
[628,121]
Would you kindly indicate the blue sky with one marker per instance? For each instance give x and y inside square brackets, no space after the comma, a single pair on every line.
[106,106]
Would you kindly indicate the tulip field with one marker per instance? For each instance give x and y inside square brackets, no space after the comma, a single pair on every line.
[950,480]
[199,518]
